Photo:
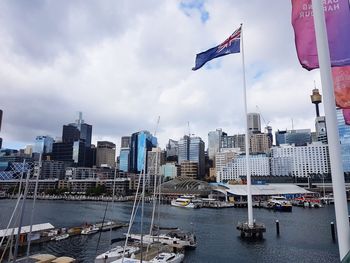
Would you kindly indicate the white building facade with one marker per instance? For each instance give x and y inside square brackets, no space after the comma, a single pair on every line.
[259,166]
[300,161]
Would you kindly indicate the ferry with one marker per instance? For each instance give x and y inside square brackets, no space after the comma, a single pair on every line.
[279,203]
[185,201]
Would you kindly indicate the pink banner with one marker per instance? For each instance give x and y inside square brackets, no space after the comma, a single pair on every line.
[337,13]
[341,79]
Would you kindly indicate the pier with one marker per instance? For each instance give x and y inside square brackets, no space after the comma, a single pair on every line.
[254,232]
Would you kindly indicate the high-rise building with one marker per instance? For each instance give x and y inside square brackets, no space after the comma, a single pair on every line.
[189,169]
[124,159]
[172,150]
[170,170]
[105,154]
[321,129]
[259,166]
[192,149]
[43,144]
[227,141]
[304,160]
[344,136]
[254,124]
[259,143]
[299,137]
[75,145]
[141,142]
[214,143]
[125,142]
[155,159]
[239,142]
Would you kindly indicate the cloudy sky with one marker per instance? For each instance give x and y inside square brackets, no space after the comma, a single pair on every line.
[124,63]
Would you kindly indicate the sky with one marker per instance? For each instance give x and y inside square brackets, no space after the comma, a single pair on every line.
[124,63]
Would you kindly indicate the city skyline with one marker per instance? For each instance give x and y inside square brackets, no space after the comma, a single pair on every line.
[77,61]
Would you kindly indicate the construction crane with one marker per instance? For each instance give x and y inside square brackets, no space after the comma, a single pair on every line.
[266,123]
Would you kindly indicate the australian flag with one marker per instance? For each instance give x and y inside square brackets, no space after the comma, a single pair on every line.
[229,46]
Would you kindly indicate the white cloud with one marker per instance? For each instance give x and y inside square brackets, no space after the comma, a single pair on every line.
[125,63]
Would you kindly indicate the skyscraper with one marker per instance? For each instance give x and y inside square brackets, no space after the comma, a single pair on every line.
[172,150]
[344,136]
[105,154]
[140,143]
[76,144]
[192,149]
[214,142]
[43,144]
[254,124]
[125,142]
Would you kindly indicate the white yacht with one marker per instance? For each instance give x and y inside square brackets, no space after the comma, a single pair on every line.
[116,253]
[168,258]
[164,239]
[184,202]
[90,230]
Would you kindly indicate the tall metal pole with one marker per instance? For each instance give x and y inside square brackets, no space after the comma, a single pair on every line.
[340,202]
[249,190]
[33,206]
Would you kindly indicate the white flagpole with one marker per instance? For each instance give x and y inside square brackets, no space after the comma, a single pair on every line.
[340,202]
[249,191]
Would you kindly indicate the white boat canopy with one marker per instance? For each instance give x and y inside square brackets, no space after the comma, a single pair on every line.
[265,189]
[26,229]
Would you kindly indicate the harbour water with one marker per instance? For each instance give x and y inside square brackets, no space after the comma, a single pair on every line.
[305,234]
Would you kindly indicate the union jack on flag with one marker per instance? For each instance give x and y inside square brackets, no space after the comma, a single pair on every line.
[229,46]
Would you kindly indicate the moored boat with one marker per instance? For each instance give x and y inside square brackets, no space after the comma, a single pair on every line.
[184,202]
[116,253]
[279,203]
[60,237]
[90,230]
[168,258]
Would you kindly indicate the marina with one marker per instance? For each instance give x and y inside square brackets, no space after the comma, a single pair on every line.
[215,230]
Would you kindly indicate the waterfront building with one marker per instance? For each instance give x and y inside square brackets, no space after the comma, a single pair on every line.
[43,144]
[344,136]
[223,158]
[122,185]
[254,123]
[214,143]
[172,150]
[51,169]
[170,170]
[105,154]
[43,185]
[192,149]
[304,160]
[189,169]
[80,173]
[259,166]
[300,137]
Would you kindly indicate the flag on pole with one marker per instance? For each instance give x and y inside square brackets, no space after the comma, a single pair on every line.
[229,46]
[337,14]
[341,81]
